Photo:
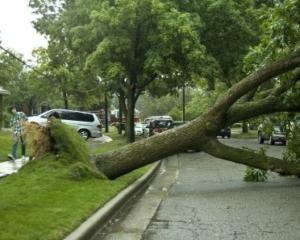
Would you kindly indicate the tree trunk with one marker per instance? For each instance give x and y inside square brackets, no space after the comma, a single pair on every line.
[120,118]
[200,133]
[106,111]
[66,102]
[245,127]
[130,117]
[1,111]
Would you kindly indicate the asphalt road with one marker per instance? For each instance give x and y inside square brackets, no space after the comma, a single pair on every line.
[196,196]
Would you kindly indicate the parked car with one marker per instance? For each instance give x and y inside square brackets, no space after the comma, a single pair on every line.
[156,126]
[138,129]
[276,134]
[85,123]
[225,132]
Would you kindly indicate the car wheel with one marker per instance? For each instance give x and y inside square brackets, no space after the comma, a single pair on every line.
[271,141]
[85,134]
[284,143]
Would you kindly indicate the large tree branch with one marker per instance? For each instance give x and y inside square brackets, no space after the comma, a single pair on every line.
[251,158]
[198,133]
[271,104]
[253,81]
[285,87]
[281,89]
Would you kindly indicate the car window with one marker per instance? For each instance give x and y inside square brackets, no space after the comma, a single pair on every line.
[47,114]
[77,116]
[278,129]
[84,117]
[65,115]
[163,124]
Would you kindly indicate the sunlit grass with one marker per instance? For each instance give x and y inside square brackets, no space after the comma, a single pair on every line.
[251,134]
[42,202]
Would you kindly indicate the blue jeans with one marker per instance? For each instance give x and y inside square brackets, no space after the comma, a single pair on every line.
[16,139]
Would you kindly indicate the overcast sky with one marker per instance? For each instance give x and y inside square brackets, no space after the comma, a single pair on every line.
[16,30]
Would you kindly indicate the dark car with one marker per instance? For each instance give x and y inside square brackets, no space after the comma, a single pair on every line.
[157,126]
[225,132]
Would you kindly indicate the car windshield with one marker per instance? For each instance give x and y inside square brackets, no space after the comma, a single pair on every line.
[163,124]
[278,129]
[138,125]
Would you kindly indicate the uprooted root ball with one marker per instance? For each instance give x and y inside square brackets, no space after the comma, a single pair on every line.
[65,144]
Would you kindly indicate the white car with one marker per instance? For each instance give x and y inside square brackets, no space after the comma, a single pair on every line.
[138,129]
[86,124]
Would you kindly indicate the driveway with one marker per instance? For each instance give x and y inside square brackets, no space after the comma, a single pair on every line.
[196,196]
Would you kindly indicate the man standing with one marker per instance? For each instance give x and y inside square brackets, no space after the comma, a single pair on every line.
[16,123]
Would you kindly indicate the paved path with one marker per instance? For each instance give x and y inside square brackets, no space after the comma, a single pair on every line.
[196,196]
[10,167]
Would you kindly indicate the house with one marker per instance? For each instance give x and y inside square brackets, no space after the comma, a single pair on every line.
[2,92]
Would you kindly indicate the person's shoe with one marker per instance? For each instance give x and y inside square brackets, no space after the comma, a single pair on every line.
[12,160]
[11,157]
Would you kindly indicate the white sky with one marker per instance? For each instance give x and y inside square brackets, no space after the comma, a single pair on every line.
[16,29]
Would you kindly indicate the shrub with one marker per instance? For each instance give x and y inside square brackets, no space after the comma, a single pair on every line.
[255,175]
[293,148]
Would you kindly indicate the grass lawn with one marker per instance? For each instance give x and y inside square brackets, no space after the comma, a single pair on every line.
[249,135]
[41,202]
[5,145]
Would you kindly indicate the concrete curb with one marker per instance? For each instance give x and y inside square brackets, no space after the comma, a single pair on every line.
[88,228]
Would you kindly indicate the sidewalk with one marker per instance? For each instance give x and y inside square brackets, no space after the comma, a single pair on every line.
[10,167]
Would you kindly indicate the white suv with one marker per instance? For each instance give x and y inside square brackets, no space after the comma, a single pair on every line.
[86,124]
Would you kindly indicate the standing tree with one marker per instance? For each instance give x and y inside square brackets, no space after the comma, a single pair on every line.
[279,40]
[129,43]
[144,51]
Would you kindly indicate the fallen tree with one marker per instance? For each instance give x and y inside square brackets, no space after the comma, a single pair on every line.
[200,134]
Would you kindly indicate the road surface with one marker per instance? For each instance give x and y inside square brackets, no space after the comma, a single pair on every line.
[196,196]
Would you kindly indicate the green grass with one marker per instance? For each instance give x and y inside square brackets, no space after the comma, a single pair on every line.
[43,202]
[118,141]
[5,145]
[249,135]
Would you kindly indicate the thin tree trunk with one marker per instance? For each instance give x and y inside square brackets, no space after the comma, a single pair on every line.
[1,111]
[245,127]
[66,101]
[121,106]
[130,117]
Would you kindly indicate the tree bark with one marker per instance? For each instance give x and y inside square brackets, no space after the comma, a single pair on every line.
[66,101]
[200,134]
[252,159]
[130,117]
[1,111]
[120,118]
